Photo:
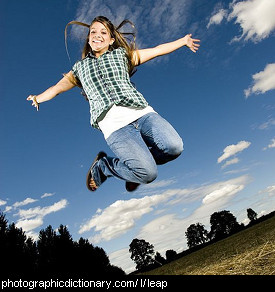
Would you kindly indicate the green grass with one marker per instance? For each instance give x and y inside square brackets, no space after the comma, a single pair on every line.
[249,252]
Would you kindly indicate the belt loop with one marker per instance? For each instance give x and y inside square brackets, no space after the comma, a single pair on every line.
[135,124]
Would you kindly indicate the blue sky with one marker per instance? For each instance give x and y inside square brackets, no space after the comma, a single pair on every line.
[221,100]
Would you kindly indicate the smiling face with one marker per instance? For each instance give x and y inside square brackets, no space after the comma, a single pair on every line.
[99,38]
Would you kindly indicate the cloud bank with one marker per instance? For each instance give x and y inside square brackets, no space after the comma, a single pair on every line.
[32,218]
[165,17]
[263,81]
[121,216]
[233,150]
[270,145]
[255,18]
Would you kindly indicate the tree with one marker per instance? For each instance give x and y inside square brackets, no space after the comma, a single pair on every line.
[54,254]
[196,234]
[3,232]
[3,224]
[170,255]
[141,253]
[31,256]
[159,259]
[223,223]
[47,251]
[15,251]
[252,215]
[64,251]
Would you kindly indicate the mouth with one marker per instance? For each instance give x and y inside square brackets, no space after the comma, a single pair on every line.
[97,41]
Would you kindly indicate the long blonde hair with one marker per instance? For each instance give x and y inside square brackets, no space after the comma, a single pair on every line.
[121,40]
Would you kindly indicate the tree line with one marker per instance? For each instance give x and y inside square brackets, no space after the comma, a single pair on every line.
[56,255]
[53,255]
[222,225]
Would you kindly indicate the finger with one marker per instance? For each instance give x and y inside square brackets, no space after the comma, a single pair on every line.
[30,97]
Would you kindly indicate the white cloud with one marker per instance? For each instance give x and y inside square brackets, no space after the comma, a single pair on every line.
[120,217]
[217,17]
[256,18]
[30,224]
[23,203]
[166,17]
[2,202]
[270,190]
[165,232]
[230,162]
[168,231]
[19,204]
[42,211]
[263,81]
[32,218]
[267,125]
[122,258]
[271,145]
[222,193]
[47,195]
[8,209]
[233,149]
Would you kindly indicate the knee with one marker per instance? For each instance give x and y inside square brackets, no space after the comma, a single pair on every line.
[151,175]
[148,174]
[175,148]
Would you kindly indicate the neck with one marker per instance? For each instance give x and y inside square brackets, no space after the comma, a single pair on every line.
[99,53]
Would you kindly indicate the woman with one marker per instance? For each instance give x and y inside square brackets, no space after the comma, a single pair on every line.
[140,138]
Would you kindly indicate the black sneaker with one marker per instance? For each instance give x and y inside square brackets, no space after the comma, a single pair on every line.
[89,177]
[130,186]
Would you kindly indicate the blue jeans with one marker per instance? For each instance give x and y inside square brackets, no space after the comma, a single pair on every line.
[139,147]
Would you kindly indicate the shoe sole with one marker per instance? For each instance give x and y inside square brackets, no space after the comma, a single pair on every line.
[100,155]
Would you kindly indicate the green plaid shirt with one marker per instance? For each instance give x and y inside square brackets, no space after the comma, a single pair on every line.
[106,81]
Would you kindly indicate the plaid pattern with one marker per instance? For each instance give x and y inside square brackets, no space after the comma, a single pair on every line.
[106,81]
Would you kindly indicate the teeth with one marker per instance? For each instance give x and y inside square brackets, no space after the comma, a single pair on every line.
[97,41]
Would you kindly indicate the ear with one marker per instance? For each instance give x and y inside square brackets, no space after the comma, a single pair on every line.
[112,41]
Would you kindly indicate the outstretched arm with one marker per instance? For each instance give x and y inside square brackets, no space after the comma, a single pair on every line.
[142,56]
[63,85]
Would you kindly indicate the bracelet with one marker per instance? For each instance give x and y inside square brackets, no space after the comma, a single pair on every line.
[35,100]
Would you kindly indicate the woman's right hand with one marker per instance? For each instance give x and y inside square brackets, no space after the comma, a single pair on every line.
[34,101]
[62,85]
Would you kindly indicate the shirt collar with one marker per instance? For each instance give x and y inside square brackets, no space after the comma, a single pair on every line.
[91,55]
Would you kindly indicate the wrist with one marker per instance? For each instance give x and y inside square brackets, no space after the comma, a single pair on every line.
[37,99]
[35,102]
[184,41]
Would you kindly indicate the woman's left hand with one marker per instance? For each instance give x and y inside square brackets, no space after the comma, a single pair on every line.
[192,44]
[34,101]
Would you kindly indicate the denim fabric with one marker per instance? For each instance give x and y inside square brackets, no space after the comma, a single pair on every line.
[139,147]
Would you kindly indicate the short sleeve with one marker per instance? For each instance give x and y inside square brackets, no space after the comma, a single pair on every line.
[75,71]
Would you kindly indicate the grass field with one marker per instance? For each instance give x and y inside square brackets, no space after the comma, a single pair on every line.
[249,252]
